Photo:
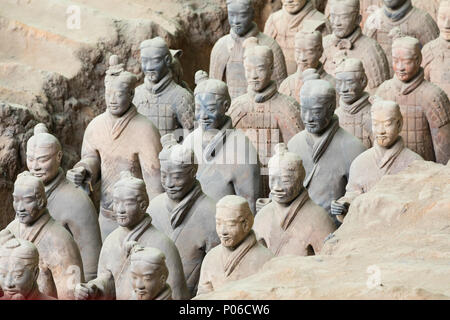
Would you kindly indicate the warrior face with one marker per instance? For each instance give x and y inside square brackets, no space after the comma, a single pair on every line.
[147,279]
[406,63]
[308,51]
[317,112]
[28,203]
[343,21]
[240,16]
[443,20]
[177,179]
[293,6]
[394,4]
[155,63]
[386,126]
[17,277]
[350,85]
[118,98]
[285,185]
[232,226]
[258,72]
[210,110]
[43,160]
[129,206]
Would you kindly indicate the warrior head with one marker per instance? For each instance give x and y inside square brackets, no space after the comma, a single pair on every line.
[443,19]
[387,122]
[258,64]
[156,59]
[344,17]
[240,16]
[30,201]
[308,49]
[351,80]
[406,58]
[293,6]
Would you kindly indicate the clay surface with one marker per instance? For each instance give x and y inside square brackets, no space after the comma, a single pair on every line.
[285,23]
[347,41]
[239,255]
[424,106]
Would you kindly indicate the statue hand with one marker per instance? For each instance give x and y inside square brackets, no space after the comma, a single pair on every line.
[338,209]
[85,291]
[76,175]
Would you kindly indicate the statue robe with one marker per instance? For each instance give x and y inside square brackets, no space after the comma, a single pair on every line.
[326,162]
[360,47]
[227,60]
[282,26]
[426,116]
[57,251]
[370,166]
[113,276]
[222,265]
[356,118]
[129,144]
[191,225]
[227,165]
[298,229]
[436,57]
[73,208]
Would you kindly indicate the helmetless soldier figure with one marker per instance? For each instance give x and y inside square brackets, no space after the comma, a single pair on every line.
[436,54]
[326,149]
[57,249]
[308,51]
[347,41]
[67,204]
[388,156]
[120,139]
[149,274]
[114,280]
[227,161]
[239,255]
[424,106]
[168,105]
[19,271]
[265,115]
[228,53]
[285,23]
[184,212]
[292,223]
[354,104]
[399,16]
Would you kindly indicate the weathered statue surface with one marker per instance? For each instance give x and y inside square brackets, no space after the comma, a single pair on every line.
[240,254]
[227,55]
[184,212]
[292,223]
[424,106]
[227,160]
[130,202]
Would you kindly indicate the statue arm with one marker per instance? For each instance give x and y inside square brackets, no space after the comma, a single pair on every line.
[441,142]
[105,285]
[204,283]
[218,60]
[246,182]
[291,121]
[269,28]
[427,55]
[90,159]
[148,159]
[185,111]
[439,120]
[279,64]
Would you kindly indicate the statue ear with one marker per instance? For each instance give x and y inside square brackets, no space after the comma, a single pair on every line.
[364,81]
[359,19]
[168,60]
[41,201]
[143,204]
[400,124]
[35,273]
[59,156]
[225,105]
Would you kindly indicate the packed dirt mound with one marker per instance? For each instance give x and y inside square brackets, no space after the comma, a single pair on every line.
[394,244]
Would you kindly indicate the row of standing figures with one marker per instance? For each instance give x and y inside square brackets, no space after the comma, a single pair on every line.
[201,188]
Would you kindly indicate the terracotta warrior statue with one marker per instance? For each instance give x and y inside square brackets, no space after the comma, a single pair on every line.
[227,161]
[347,41]
[388,155]
[285,23]
[56,246]
[308,51]
[149,274]
[326,149]
[399,17]
[228,53]
[168,105]
[436,54]
[67,204]
[240,254]
[266,116]
[184,212]
[120,139]
[135,225]
[292,223]
[354,104]
[19,271]
[424,106]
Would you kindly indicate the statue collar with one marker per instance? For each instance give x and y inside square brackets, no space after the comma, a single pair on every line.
[49,188]
[266,94]
[289,213]
[294,20]
[396,15]
[253,32]
[138,230]
[31,232]
[180,211]
[214,146]
[348,42]
[385,157]
[156,88]
[408,87]
[356,106]
[231,259]
[118,125]
[165,294]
